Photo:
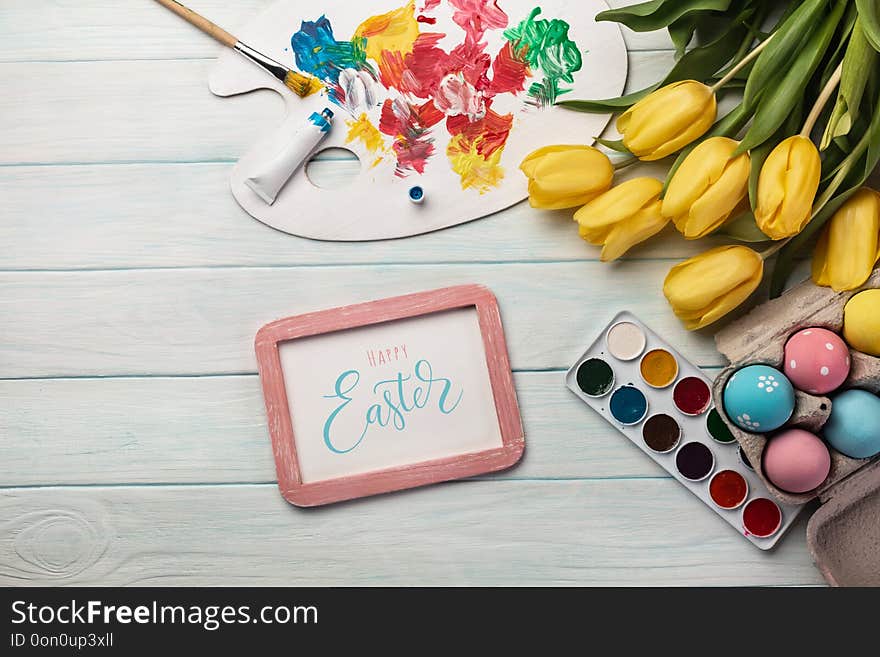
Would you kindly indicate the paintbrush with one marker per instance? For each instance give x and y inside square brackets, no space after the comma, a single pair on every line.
[298,83]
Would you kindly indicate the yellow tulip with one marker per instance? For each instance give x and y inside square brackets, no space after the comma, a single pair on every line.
[668,119]
[566,176]
[787,188]
[707,187]
[850,246]
[706,287]
[622,217]
[861,322]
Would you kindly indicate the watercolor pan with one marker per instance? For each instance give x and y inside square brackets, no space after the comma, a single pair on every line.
[679,432]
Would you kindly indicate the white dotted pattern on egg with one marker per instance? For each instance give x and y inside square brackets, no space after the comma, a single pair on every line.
[817,360]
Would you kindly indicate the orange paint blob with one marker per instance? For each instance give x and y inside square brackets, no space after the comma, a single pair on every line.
[659,368]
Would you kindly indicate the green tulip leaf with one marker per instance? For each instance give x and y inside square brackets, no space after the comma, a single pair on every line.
[609,104]
[657,14]
[681,32]
[781,96]
[869,16]
[614,145]
[743,228]
[698,64]
[858,62]
[788,40]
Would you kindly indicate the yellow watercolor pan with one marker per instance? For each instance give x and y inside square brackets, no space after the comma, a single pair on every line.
[658,368]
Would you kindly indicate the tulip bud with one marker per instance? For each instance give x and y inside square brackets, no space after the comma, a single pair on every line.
[706,287]
[850,245]
[566,176]
[622,217]
[787,188]
[668,119]
[707,187]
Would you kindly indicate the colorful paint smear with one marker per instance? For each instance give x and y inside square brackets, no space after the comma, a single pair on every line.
[363,131]
[544,45]
[389,64]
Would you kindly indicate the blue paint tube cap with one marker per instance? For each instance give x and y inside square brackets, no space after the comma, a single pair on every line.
[416,194]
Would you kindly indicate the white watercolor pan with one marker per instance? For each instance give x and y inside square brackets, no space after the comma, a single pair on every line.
[693,427]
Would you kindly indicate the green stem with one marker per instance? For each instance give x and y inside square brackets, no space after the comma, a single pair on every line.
[745,61]
[778,246]
[821,101]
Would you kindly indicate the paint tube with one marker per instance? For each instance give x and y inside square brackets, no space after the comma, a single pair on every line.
[270,176]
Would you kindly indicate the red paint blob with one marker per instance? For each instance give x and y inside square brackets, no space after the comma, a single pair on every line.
[692,396]
[762,517]
[728,489]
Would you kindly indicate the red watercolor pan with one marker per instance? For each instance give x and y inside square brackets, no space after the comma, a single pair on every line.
[692,396]
[761,517]
[728,489]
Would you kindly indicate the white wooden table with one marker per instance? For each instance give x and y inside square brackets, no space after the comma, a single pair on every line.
[133,445]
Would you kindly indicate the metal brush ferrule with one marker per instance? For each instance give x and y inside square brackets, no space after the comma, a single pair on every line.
[276,69]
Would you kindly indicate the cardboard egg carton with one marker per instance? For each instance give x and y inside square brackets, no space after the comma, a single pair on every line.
[836,533]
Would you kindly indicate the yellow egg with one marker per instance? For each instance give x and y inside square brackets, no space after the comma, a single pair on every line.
[861,322]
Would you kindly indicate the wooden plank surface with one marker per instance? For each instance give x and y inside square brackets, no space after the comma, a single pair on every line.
[202,321]
[213,430]
[630,531]
[134,447]
[70,30]
[150,111]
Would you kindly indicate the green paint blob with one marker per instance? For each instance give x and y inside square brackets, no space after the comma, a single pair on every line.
[719,431]
[544,45]
[595,377]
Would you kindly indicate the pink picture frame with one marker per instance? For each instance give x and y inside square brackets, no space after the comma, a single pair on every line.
[307,494]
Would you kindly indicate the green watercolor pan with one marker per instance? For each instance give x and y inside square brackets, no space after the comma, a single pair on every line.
[676,425]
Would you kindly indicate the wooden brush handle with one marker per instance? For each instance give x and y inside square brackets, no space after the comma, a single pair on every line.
[200,22]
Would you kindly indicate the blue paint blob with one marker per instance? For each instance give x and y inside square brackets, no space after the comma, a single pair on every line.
[318,52]
[628,405]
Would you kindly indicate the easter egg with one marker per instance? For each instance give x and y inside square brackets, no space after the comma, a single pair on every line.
[816,361]
[759,398]
[796,461]
[861,322]
[853,428]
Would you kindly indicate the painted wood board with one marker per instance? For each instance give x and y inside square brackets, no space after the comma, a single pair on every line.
[202,321]
[183,135]
[207,429]
[191,225]
[150,111]
[636,532]
[447,95]
[42,30]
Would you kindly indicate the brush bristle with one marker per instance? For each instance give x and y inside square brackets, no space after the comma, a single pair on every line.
[302,85]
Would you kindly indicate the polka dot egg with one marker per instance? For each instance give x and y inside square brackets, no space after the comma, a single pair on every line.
[816,361]
[759,398]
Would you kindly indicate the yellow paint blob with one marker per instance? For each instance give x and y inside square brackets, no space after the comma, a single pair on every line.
[395,31]
[364,131]
[475,170]
[659,368]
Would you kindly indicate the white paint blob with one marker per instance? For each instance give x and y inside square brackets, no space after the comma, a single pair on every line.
[626,341]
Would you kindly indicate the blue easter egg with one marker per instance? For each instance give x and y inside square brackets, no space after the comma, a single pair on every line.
[854,426]
[759,398]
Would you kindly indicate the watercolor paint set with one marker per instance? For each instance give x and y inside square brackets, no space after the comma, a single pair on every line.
[664,405]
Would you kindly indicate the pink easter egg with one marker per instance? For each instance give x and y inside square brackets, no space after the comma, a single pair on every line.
[796,461]
[816,361]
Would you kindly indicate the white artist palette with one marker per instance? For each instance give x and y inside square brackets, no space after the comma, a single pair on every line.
[615,347]
[376,204]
